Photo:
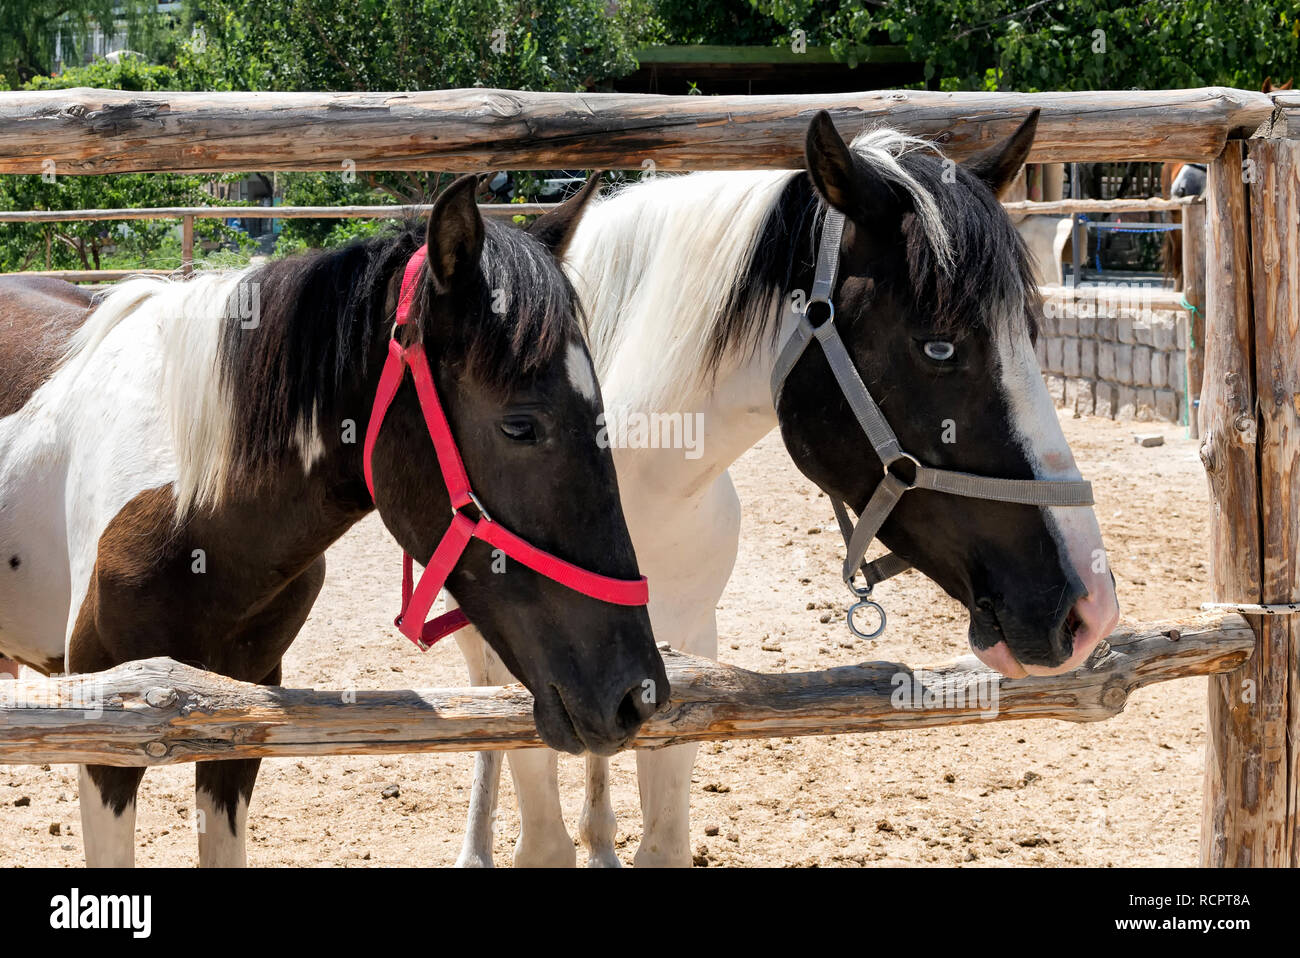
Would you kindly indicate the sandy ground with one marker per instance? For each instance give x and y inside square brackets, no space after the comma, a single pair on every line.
[1123,792]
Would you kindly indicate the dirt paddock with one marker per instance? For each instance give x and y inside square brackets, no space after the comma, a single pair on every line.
[1122,792]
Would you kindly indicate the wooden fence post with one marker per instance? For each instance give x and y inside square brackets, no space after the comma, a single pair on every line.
[1194,296]
[1251,424]
[187,244]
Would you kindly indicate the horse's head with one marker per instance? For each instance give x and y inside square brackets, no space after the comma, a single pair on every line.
[498,321]
[936,304]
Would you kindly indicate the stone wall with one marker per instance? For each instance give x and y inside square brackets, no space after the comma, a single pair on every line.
[1115,352]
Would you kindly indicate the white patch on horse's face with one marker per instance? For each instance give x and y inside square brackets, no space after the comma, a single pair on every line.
[1038,433]
[581,373]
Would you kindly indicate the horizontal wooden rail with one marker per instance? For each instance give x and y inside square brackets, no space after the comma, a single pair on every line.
[97,275]
[1116,294]
[79,131]
[159,712]
[262,212]
[1152,297]
[416,211]
[1066,207]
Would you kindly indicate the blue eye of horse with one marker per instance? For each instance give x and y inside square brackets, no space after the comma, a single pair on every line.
[939,350]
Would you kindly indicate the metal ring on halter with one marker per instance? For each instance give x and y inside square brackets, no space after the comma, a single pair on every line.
[483,513]
[866,603]
[830,315]
[859,591]
[916,465]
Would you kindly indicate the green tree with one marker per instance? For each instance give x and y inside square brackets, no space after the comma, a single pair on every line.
[1065,44]
[82,245]
[400,45]
[409,44]
[29,30]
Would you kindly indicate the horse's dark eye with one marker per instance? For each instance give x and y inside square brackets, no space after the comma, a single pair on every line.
[520,430]
[939,350]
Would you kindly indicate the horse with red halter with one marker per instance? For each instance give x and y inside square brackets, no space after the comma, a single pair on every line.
[176,457]
[880,309]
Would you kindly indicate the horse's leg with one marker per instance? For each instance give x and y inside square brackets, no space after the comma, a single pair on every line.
[665,779]
[543,842]
[543,839]
[476,849]
[598,823]
[222,793]
[106,794]
[223,790]
[107,797]
[687,618]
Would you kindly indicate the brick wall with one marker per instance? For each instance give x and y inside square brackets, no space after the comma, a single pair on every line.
[1118,353]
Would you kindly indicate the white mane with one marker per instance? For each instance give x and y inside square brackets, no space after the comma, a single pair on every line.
[188,317]
[655,264]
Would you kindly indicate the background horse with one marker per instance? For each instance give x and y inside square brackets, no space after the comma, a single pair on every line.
[175,461]
[686,281]
[1178,180]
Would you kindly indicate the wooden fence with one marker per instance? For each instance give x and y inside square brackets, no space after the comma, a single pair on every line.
[188,214]
[158,711]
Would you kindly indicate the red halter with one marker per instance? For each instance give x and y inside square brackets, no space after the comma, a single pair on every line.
[418,599]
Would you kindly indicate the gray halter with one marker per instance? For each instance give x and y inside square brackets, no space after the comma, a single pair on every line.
[1033,492]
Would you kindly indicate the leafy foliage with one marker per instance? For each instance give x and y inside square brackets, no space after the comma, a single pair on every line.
[293,45]
[400,45]
[83,245]
[29,28]
[409,44]
[1065,44]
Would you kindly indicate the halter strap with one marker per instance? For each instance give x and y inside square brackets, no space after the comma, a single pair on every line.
[418,598]
[1034,492]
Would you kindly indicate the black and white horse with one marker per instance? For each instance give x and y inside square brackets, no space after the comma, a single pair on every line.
[176,457]
[688,282]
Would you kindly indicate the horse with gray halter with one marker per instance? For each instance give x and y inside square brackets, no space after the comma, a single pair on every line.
[880,310]
[176,457]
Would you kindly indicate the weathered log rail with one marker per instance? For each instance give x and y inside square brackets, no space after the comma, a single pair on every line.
[1152,204]
[82,131]
[408,212]
[159,712]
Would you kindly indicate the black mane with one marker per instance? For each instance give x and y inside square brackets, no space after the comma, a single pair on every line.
[320,314]
[991,269]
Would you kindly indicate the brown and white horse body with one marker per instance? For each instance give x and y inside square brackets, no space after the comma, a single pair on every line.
[174,464]
[97,569]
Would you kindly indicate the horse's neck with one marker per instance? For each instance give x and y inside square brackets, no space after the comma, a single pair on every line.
[321,492]
[734,411]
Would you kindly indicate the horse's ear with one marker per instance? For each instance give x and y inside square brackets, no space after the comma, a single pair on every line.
[851,187]
[998,165]
[555,228]
[455,237]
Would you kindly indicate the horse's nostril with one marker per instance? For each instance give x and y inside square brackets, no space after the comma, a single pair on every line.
[1073,623]
[633,710]
[984,605]
[1063,640]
